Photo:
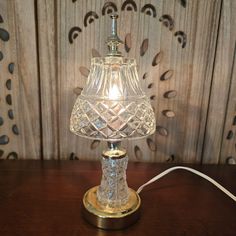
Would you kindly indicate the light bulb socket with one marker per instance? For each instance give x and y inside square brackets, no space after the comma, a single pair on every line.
[114,151]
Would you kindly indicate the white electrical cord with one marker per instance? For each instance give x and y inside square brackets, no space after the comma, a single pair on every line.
[219,186]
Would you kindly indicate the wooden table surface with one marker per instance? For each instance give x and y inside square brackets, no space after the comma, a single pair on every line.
[44,198]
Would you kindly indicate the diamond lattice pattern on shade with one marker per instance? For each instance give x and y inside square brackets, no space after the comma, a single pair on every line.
[103,120]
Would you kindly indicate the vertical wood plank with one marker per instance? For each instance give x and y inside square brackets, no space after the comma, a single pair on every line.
[9,141]
[199,72]
[228,148]
[22,51]
[28,106]
[71,57]
[227,29]
[47,28]
[222,80]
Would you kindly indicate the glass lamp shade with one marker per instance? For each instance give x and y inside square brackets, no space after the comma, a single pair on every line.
[112,105]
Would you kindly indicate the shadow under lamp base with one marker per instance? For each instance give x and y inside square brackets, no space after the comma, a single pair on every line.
[110,218]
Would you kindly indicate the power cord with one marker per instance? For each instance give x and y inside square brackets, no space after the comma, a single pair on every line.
[219,186]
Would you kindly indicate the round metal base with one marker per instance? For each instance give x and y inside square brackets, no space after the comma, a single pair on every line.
[110,218]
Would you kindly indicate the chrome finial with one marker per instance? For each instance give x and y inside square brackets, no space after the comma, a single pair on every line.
[113,41]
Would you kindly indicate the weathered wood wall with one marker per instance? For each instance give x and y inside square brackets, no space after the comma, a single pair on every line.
[185,50]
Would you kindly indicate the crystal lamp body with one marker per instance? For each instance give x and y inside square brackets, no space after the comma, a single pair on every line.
[112,107]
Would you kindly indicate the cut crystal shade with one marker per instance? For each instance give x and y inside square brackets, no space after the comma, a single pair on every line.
[112,105]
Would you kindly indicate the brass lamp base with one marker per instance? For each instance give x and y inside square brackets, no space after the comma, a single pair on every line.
[107,217]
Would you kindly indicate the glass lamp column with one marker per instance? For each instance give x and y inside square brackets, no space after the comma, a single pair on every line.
[112,205]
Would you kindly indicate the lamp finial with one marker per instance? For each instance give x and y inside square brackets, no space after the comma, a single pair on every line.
[113,41]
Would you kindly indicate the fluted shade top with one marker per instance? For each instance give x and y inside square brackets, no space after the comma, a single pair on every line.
[112,105]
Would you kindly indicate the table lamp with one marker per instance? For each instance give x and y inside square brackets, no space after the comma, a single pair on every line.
[112,107]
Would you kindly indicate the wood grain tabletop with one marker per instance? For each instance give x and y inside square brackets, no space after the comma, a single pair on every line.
[44,198]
